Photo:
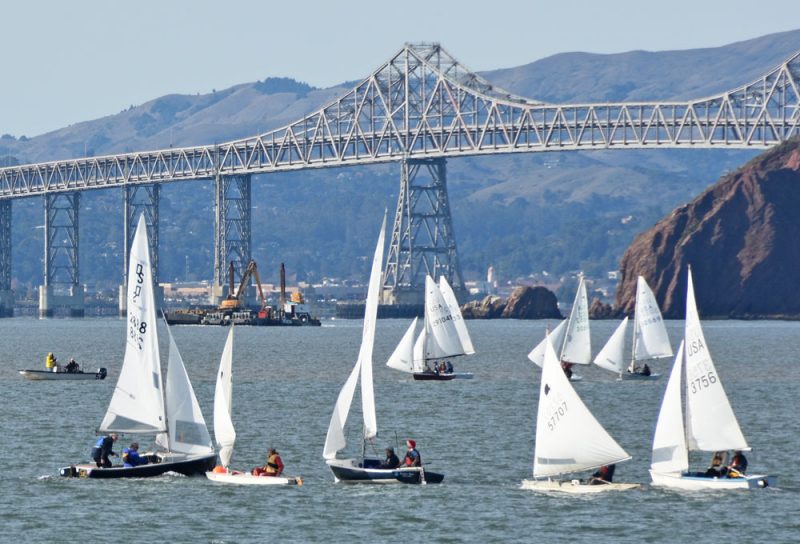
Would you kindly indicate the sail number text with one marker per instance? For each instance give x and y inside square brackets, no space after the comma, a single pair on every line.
[703,382]
[136,331]
[558,413]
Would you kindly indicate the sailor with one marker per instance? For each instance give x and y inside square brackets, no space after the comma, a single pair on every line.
[717,466]
[567,367]
[102,449]
[391,460]
[604,475]
[413,458]
[274,466]
[738,465]
[131,457]
[73,366]
[449,367]
[50,362]
[645,370]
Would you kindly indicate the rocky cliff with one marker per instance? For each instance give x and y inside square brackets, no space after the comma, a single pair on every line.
[741,239]
[523,303]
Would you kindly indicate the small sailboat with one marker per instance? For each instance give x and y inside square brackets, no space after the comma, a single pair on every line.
[443,335]
[568,437]
[572,336]
[708,424]
[140,404]
[650,339]
[225,433]
[364,469]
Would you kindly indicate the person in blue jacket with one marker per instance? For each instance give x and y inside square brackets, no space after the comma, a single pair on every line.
[102,449]
[131,457]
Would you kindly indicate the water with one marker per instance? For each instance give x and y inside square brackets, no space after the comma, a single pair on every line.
[479,433]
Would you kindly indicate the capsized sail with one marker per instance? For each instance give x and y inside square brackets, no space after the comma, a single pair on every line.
[402,357]
[710,422]
[187,428]
[458,319]
[612,356]
[568,437]
[137,404]
[556,338]
[577,347]
[669,441]
[224,432]
[650,335]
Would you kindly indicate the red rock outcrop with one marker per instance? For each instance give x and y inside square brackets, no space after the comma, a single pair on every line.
[523,303]
[741,238]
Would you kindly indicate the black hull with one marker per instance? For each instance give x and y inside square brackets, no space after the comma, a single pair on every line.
[354,475]
[433,376]
[197,466]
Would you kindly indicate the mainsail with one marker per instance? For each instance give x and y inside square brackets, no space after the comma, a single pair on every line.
[224,432]
[577,347]
[650,340]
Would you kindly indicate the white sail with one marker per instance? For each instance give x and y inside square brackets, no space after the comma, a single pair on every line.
[187,428]
[710,422]
[137,404]
[650,335]
[334,440]
[669,442]
[612,356]
[419,351]
[402,357]
[224,432]
[368,337]
[442,337]
[577,347]
[458,319]
[556,338]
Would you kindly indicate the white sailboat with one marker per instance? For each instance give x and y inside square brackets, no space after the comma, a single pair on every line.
[708,424]
[443,335]
[139,404]
[568,437]
[572,337]
[650,339]
[225,433]
[363,469]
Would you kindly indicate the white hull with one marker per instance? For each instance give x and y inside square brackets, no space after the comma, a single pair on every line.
[50,375]
[574,487]
[245,478]
[698,483]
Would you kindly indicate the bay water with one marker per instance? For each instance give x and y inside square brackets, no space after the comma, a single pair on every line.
[479,432]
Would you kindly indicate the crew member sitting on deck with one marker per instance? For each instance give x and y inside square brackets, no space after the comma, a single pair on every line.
[131,457]
[449,367]
[604,475]
[717,466]
[413,458]
[645,370]
[391,460]
[274,466]
[73,366]
[567,367]
[738,465]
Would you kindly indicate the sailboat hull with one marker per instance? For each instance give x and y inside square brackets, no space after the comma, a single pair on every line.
[635,376]
[50,375]
[188,466]
[575,487]
[698,482]
[433,376]
[245,478]
[347,471]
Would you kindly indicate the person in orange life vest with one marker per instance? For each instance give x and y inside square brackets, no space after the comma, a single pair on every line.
[274,466]
[413,458]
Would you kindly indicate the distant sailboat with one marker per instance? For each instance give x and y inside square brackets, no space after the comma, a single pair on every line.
[650,339]
[708,425]
[568,437]
[224,431]
[364,469]
[139,404]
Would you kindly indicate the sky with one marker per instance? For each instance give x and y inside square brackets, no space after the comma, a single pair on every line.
[71,61]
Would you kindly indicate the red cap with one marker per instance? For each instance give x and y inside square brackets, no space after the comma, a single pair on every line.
[411,443]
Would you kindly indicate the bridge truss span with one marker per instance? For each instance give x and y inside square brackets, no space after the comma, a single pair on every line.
[421,104]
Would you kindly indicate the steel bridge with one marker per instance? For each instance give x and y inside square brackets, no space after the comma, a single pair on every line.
[419,108]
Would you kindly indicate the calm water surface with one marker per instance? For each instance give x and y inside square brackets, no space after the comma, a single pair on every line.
[479,433]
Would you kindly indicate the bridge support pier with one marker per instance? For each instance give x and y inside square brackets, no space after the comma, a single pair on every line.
[422,241]
[6,294]
[137,200]
[62,287]
[232,231]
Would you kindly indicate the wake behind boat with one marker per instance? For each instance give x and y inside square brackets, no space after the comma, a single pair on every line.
[50,375]
[139,404]
[710,424]
[363,469]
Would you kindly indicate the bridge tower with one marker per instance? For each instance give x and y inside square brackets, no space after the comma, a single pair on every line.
[6,295]
[423,242]
[137,200]
[62,286]
[232,231]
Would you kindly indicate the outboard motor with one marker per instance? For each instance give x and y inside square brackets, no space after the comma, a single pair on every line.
[101,373]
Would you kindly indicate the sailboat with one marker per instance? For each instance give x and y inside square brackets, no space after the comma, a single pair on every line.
[225,433]
[708,423]
[443,335]
[568,437]
[650,339]
[571,335]
[139,404]
[364,469]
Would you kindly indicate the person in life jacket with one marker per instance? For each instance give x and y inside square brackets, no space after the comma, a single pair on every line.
[131,457]
[50,362]
[102,449]
[274,466]
[412,458]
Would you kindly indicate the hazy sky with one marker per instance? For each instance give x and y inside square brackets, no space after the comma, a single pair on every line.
[71,61]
